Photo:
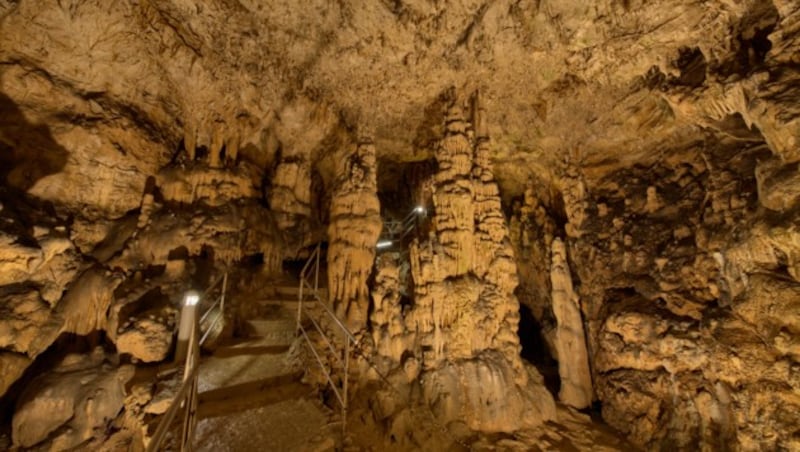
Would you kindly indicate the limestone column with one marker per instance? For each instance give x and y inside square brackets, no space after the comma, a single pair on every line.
[573,359]
[465,314]
[355,225]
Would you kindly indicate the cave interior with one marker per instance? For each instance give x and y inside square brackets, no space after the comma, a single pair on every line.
[409,225]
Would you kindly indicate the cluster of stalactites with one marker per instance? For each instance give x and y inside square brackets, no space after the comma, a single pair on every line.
[221,134]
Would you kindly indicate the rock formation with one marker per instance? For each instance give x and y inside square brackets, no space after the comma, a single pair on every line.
[355,225]
[290,192]
[80,397]
[461,328]
[570,341]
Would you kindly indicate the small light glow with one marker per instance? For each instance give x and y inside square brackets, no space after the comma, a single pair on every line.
[419,209]
[191,299]
[384,243]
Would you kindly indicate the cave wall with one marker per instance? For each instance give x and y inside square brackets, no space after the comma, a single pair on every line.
[685,282]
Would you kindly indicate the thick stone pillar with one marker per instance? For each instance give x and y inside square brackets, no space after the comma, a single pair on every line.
[465,314]
[355,225]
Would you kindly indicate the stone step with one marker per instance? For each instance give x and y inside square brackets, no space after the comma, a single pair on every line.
[250,347]
[250,394]
[245,362]
[279,308]
[292,291]
[281,301]
[267,327]
[281,418]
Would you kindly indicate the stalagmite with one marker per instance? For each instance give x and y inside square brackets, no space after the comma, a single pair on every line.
[573,359]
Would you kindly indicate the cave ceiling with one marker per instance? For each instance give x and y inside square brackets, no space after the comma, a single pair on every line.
[600,84]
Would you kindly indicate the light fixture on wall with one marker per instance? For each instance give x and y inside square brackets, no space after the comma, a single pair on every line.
[419,209]
[384,244]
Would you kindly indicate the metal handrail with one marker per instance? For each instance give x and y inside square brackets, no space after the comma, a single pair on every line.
[223,277]
[400,229]
[325,338]
[341,394]
[339,323]
[163,426]
[187,393]
[220,301]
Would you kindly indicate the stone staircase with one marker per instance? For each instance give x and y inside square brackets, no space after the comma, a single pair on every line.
[250,394]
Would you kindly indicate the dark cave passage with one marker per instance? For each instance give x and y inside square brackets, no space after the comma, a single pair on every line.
[536,351]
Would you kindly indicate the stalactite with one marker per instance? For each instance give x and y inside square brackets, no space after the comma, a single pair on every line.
[217,142]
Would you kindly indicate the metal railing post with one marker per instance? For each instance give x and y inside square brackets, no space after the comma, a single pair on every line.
[224,289]
[186,397]
[190,399]
[316,271]
[299,304]
[340,388]
[344,383]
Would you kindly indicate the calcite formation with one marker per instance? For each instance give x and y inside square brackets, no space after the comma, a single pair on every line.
[355,225]
[290,192]
[570,340]
[389,332]
[462,324]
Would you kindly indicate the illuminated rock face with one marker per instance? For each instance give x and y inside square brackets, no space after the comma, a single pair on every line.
[570,340]
[462,326]
[73,403]
[355,225]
